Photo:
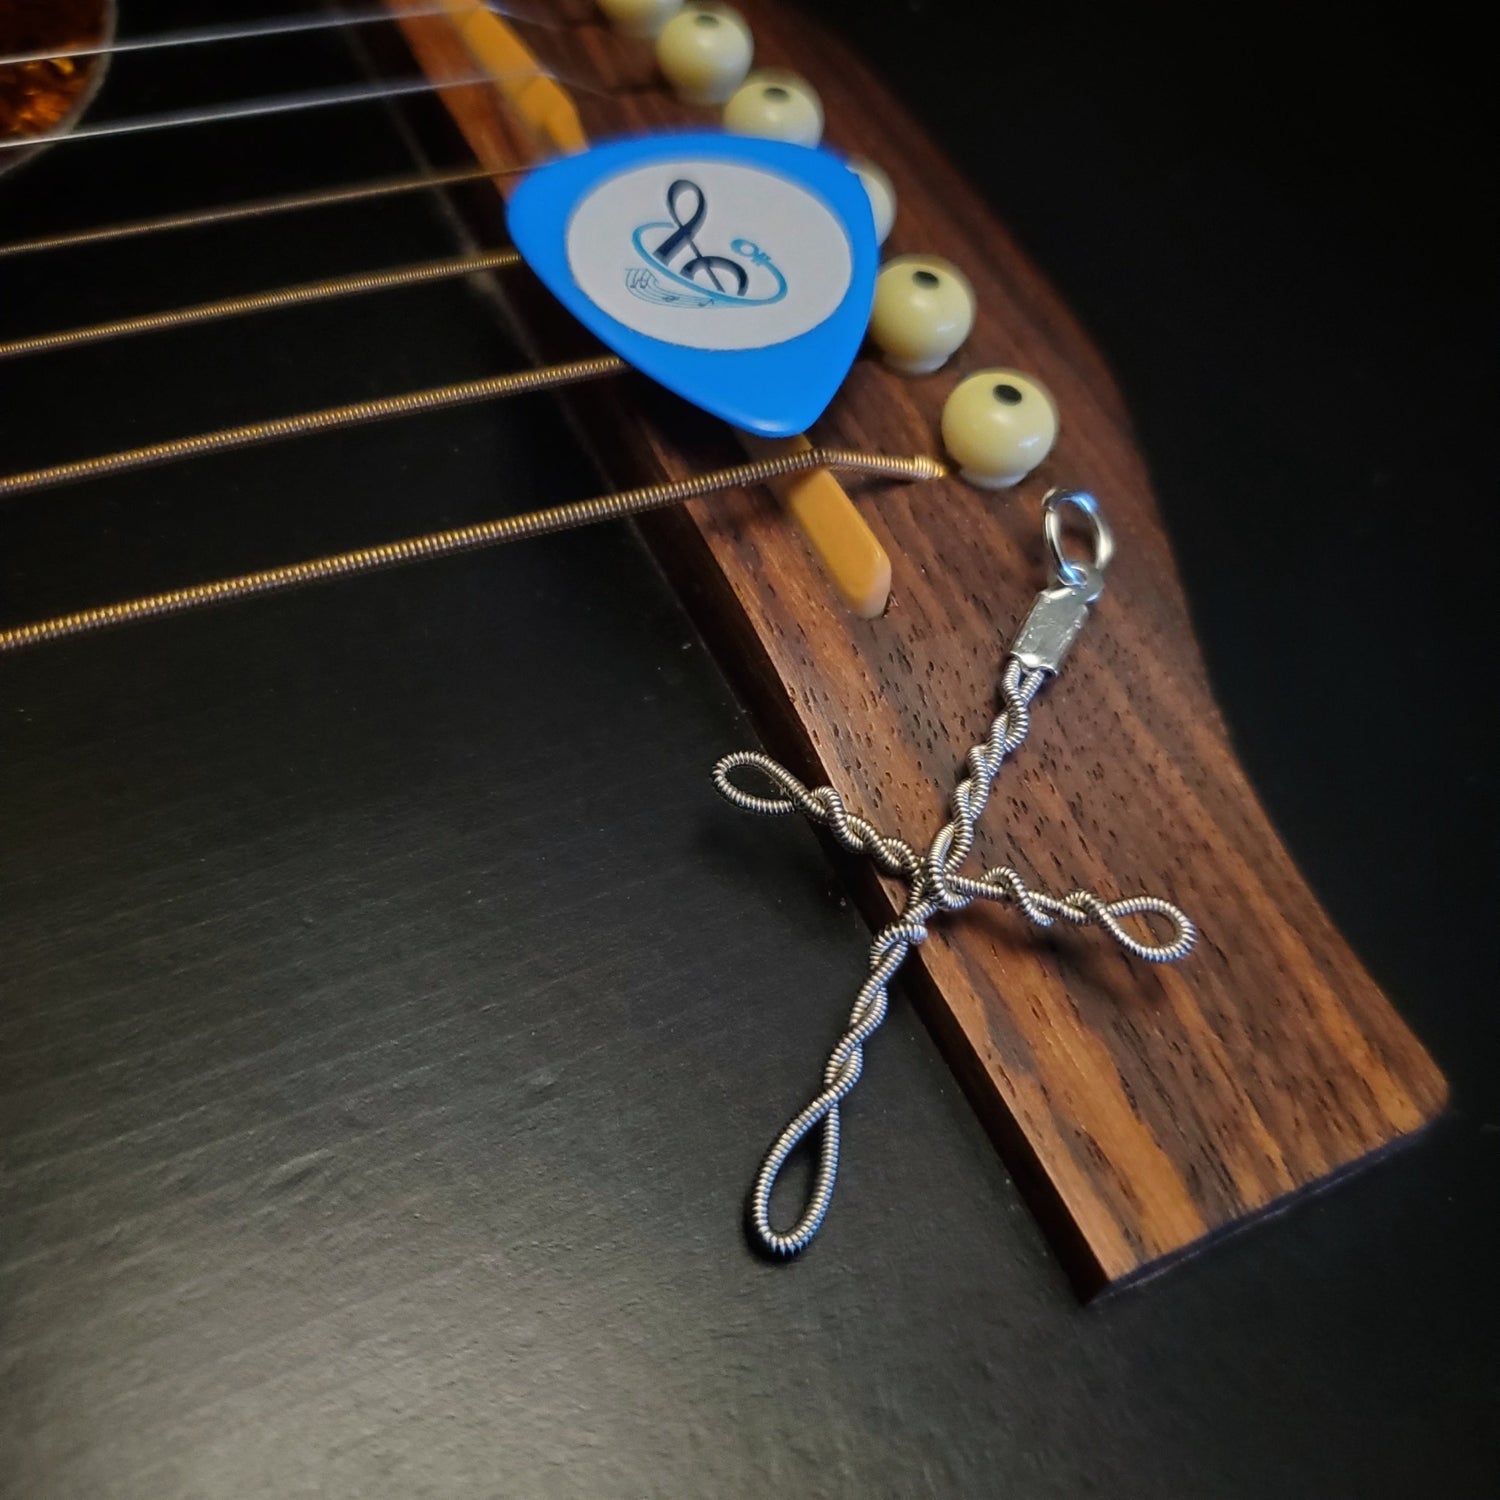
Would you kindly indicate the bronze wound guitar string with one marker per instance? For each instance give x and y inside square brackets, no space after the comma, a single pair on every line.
[468,539]
[258,208]
[326,419]
[278,298]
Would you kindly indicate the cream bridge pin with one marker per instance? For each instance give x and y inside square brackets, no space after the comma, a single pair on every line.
[737,272]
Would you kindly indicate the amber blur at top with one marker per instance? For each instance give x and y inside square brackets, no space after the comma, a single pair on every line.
[36,97]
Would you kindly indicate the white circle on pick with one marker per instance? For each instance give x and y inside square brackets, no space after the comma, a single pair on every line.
[804,238]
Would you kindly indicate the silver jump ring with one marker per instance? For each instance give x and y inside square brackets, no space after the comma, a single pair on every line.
[1068,571]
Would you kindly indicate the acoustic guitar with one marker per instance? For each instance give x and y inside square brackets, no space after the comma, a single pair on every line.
[858,587]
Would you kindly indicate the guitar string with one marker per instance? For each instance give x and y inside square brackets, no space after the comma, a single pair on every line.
[254,209]
[284,104]
[466,539]
[325,419]
[358,284]
[276,26]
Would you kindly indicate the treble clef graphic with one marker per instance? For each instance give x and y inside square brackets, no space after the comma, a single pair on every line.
[700,280]
[709,265]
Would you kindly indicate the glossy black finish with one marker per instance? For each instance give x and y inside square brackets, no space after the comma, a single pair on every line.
[392,1017]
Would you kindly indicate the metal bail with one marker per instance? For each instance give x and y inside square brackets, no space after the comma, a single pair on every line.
[1059,613]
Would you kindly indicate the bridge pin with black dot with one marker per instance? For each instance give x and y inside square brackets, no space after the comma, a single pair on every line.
[924,310]
[998,426]
[704,52]
[778,106]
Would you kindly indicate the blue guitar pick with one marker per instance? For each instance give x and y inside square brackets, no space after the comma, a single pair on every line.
[737,272]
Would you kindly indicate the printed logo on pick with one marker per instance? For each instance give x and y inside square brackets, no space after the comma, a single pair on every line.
[737,272]
[730,257]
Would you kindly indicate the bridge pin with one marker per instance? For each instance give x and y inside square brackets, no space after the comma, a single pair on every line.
[998,426]
[704,52]
[778,105]
[881,193]
[924,309]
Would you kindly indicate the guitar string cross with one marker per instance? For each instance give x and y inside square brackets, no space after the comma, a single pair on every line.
[935,882]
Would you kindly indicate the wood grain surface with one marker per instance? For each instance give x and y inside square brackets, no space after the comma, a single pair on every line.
[1145,1110]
